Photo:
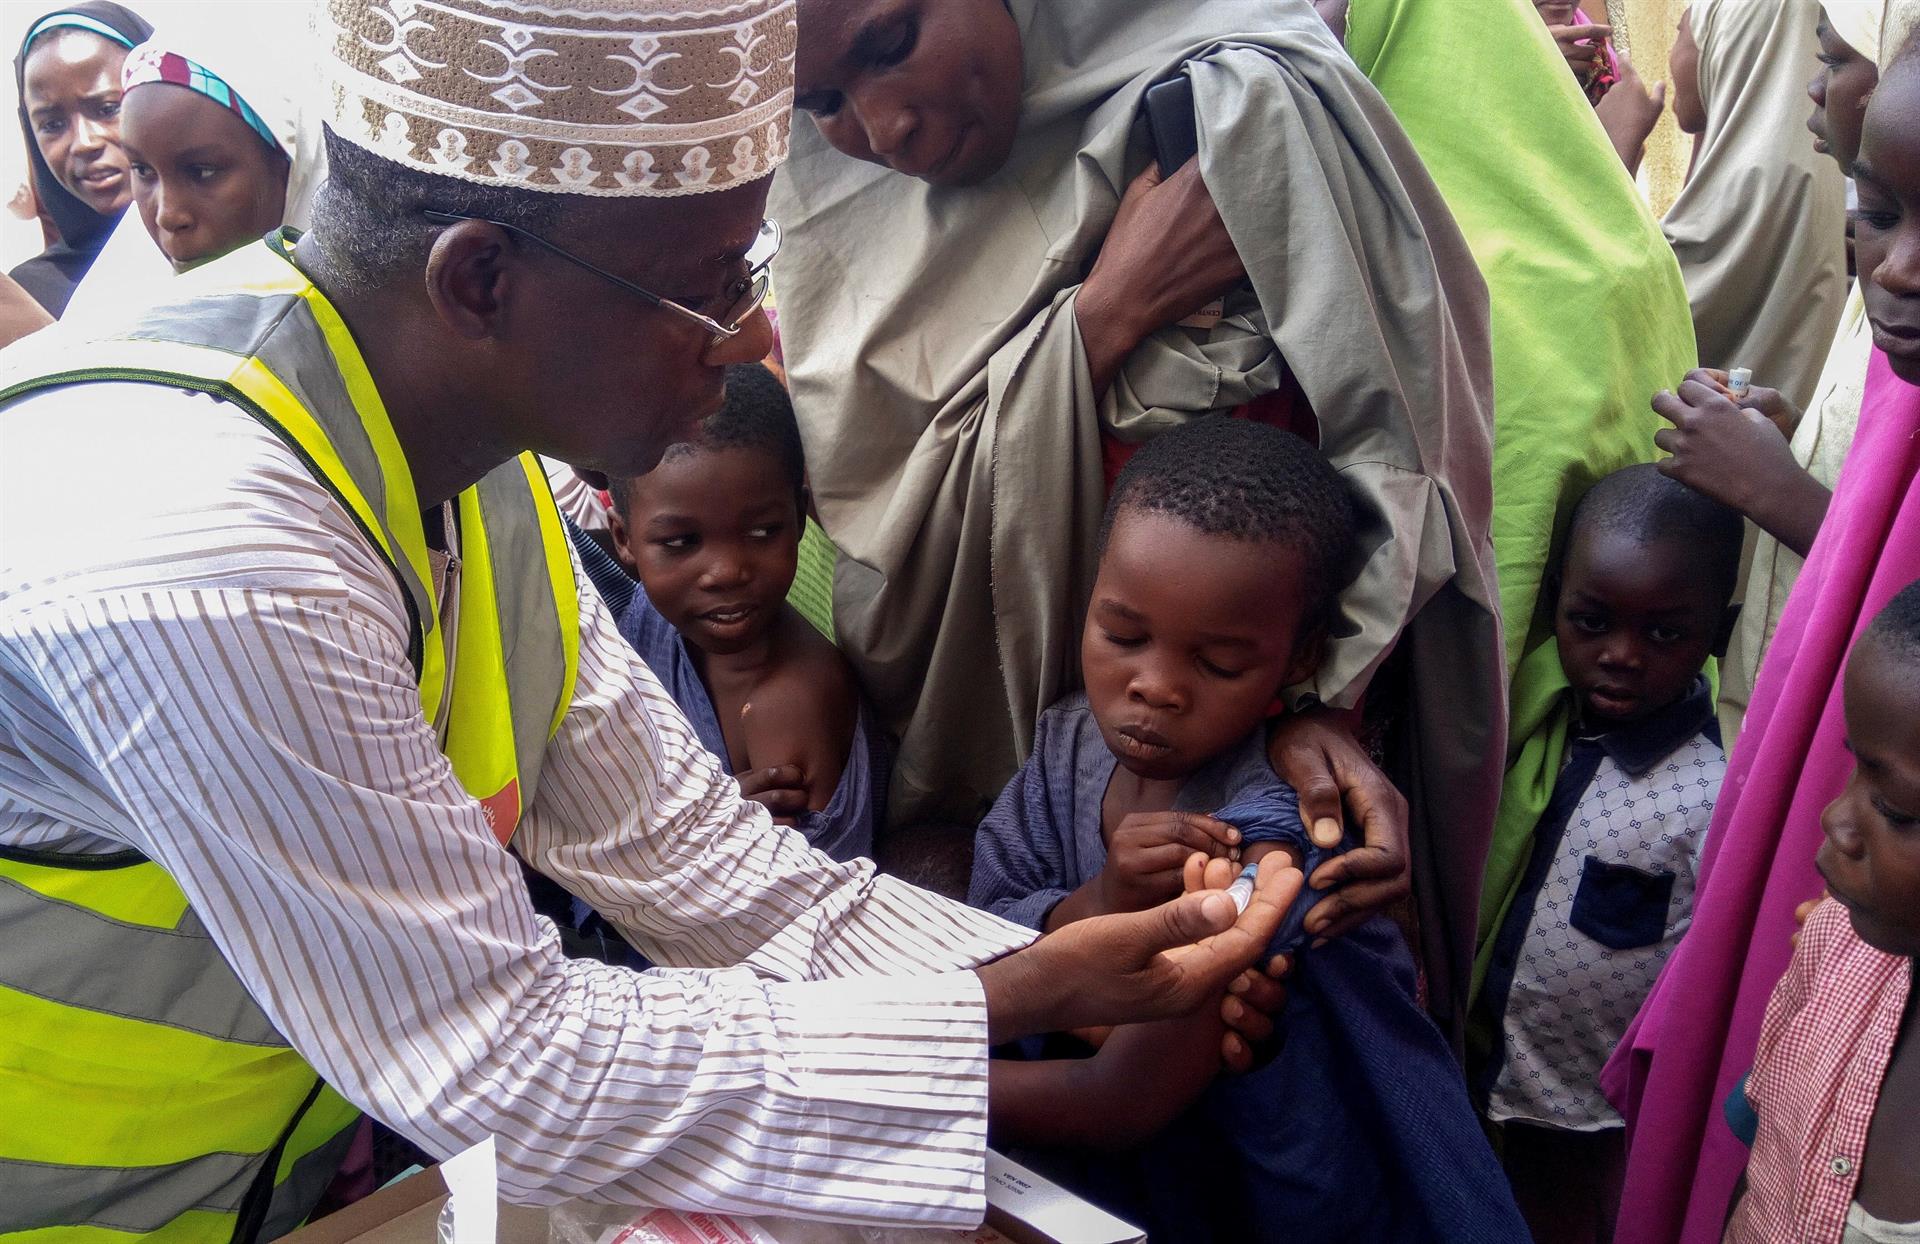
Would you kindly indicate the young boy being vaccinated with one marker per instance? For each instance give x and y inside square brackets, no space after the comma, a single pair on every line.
[1222,552]
[713,536]
[1641,601]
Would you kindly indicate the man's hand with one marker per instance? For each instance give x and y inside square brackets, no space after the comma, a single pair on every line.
[1315,753]
[1257,994]
[1136,966]
[782,788]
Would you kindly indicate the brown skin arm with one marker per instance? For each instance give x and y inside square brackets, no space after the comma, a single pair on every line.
[803,713]
[1166,255]
[1143,1077]
[19,313]
[1629,111]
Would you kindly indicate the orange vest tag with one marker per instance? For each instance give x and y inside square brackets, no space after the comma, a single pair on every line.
[503,810]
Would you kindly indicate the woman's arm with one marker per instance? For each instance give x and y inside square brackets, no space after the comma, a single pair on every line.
[1166,255]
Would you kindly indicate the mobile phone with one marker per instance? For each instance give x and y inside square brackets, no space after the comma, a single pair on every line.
[1169,109]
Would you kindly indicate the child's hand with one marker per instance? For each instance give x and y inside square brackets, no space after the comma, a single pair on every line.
[1727,450]
[1803,911]
[1148,854]
[782,788]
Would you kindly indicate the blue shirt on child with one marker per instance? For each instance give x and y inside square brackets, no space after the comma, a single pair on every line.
[1358,1129]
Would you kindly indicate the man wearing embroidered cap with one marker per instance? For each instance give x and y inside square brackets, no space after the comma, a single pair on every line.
[271,726]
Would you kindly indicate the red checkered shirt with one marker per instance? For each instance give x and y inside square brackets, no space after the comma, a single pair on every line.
[1824,1047]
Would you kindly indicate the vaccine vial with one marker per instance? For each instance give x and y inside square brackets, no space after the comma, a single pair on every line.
[1739,379]
[1241,891]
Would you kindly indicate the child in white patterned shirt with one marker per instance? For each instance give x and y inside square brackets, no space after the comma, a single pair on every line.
[1641,600]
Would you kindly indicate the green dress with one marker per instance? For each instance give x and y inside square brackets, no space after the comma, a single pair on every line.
[1589,320]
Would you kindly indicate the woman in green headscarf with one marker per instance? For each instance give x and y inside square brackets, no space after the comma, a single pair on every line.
[1589,319]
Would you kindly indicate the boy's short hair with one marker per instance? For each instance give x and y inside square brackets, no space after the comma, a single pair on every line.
[756,413]
[1246,481]
[1898,625]
[1646,505]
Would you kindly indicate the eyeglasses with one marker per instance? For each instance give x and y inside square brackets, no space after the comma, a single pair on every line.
[747,294]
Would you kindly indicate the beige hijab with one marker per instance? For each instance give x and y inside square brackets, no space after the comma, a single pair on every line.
[1825,432]
[1760,227]
[953,441]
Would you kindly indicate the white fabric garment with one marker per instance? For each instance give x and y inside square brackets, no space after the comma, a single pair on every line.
[1760,227]
[265,53]
[213,670]
[1857,22]
[577,499]
[1864,1228]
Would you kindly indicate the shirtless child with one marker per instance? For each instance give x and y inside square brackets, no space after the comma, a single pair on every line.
[713,536]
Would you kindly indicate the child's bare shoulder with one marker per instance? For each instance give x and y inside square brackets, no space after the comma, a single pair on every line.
[813,668]
[809,696]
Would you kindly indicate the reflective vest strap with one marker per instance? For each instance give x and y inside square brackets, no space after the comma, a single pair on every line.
[312,1158]
[566,585]
[481,751]
[77,956]
[276,404]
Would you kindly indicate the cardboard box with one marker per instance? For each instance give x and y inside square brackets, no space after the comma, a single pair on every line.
[1022,1208]
[1029,1209]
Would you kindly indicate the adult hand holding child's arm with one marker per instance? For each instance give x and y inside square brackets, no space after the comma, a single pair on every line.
[1314,752]
[1145,1074]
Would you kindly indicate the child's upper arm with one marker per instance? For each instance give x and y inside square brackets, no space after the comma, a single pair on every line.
[1020,866]
[804,714]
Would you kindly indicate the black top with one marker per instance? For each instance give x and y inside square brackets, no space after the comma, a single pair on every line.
[51,275]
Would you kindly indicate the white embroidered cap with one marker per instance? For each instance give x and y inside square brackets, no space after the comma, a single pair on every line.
[595,97]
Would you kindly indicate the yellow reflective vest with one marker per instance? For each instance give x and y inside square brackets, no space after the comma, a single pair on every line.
[143,1093]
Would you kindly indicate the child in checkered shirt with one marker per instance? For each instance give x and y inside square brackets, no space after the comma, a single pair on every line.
[1836,1077]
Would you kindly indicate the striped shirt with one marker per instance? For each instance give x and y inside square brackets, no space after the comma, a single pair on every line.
[210,665]
[1825,1043]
